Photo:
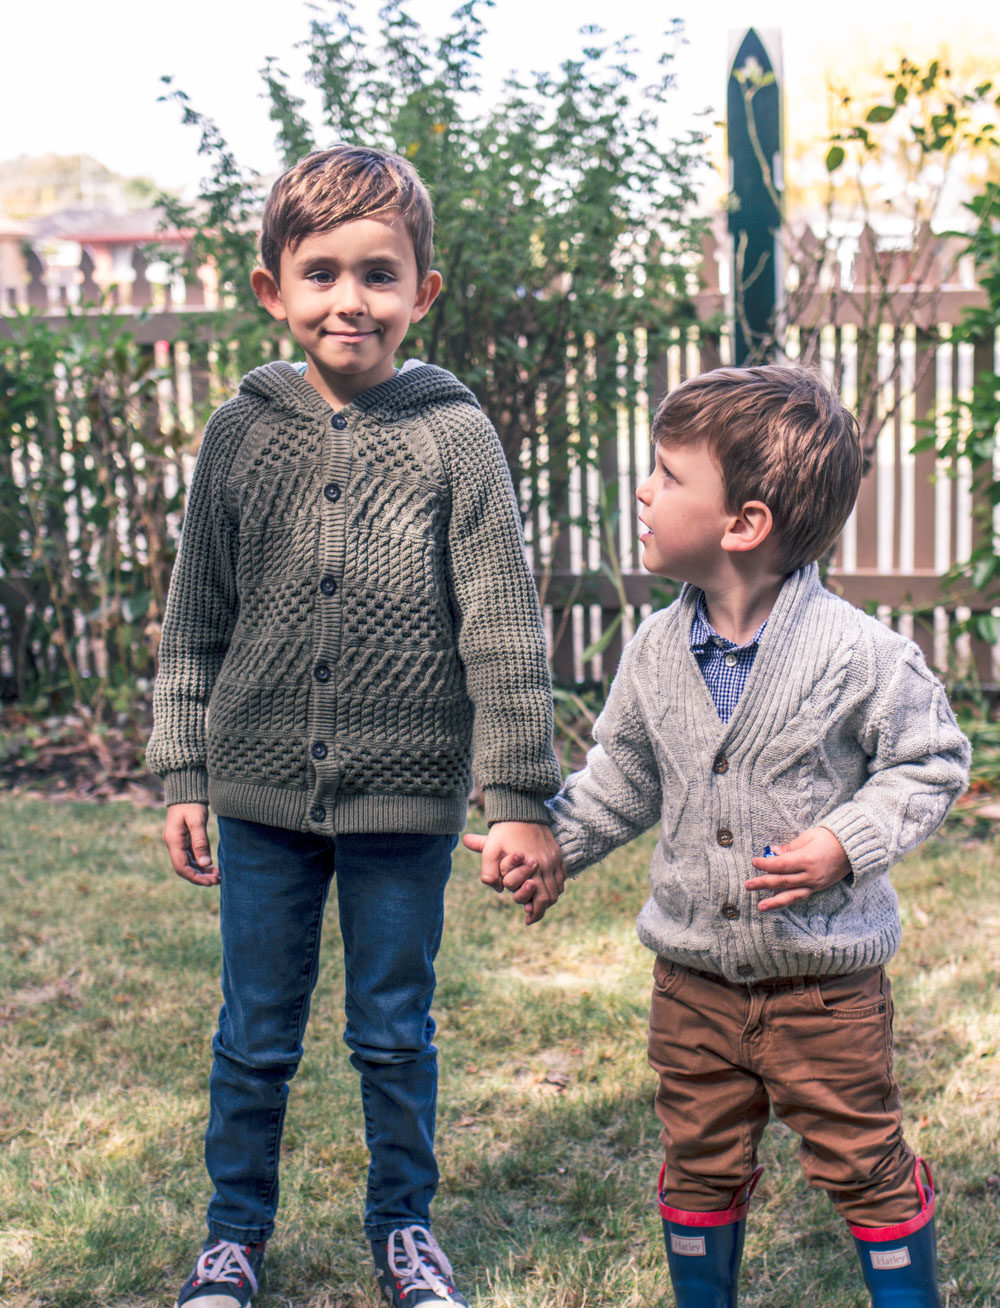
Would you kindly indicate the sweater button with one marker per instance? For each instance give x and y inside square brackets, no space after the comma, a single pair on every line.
[319,750]
[328,584]
[332,491]
[338,422]
[322,672]
[745,969]
[721,764]
[730,911]
[317,813]
[724,836]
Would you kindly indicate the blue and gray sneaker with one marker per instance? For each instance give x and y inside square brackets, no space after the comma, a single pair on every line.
[412,1271]
[225,1275]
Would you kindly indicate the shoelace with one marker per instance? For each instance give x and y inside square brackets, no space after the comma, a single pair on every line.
[420,1263]
[226,1262]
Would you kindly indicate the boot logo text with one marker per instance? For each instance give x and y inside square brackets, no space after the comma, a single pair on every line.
[886,1260]
[692,1246]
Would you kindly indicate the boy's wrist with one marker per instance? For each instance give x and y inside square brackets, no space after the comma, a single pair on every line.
[859,838]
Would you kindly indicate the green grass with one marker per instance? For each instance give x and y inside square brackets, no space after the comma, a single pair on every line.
[547,1137]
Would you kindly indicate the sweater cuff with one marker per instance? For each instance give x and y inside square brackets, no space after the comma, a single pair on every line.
[861,840]
[576,855]
[188,786]
[502,804]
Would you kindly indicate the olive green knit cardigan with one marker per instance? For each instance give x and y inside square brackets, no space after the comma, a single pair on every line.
[352,626]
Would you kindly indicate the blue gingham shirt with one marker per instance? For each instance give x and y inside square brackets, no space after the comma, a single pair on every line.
[724,664]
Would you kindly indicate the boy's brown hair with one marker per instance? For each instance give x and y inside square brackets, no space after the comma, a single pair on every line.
[330,187]
[779,435]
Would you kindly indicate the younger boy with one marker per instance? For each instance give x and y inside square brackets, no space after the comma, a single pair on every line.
[351,625]
[761,713]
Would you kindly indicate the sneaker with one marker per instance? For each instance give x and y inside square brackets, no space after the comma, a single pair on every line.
[411,1270]
[225,1275]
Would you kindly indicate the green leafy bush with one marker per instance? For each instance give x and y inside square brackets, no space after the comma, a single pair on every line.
[90,490]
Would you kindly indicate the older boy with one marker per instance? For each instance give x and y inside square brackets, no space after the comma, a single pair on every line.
[351,621]
[758,711]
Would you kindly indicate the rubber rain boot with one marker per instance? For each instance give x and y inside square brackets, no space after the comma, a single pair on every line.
[899,1263]
[704,1250]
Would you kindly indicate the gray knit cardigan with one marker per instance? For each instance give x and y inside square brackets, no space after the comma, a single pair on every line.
[840,725]
[351,618]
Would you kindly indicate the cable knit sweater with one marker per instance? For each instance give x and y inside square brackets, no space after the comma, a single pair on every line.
[351,618]
[840,725]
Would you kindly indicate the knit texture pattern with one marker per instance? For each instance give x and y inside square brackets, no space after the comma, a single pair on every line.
[351,622]
[841,725]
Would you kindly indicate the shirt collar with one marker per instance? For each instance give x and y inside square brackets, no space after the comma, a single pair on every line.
[704,635]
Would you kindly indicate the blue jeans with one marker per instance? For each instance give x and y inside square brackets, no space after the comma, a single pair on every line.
[390,891]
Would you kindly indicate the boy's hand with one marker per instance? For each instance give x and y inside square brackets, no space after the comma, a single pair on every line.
[812,861]
[185,834]
[522,857]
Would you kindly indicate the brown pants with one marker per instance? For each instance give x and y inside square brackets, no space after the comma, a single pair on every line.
[818,1050]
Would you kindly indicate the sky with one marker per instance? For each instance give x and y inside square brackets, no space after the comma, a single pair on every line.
[84,78]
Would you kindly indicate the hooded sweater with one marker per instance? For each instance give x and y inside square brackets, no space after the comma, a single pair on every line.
[840,725]
[351,622]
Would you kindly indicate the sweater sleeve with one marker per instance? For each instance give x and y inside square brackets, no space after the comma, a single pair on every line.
[618,794]
[918,766]
[501,639]
[197,626]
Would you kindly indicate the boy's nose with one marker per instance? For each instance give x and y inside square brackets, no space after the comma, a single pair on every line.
[349,298]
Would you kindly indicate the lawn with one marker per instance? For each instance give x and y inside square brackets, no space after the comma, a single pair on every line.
[548,1141]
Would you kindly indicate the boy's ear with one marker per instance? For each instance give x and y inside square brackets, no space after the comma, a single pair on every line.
[268,292]
[427,293]
[748,528]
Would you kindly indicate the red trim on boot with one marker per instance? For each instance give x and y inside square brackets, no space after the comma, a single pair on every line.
[876,1234]
[721,1217]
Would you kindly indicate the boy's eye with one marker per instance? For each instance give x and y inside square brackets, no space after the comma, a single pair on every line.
[321,277]
[379,277]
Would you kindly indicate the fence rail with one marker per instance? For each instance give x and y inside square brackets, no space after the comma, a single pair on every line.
[913,521]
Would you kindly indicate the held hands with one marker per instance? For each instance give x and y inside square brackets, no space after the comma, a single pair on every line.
[185,834]
[522,857]
[812,861]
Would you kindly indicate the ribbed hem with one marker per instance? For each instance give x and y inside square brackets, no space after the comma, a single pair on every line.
[879,1234]
[188,787]
[354,814]
[749,961]
[720,1217]
[502,804]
